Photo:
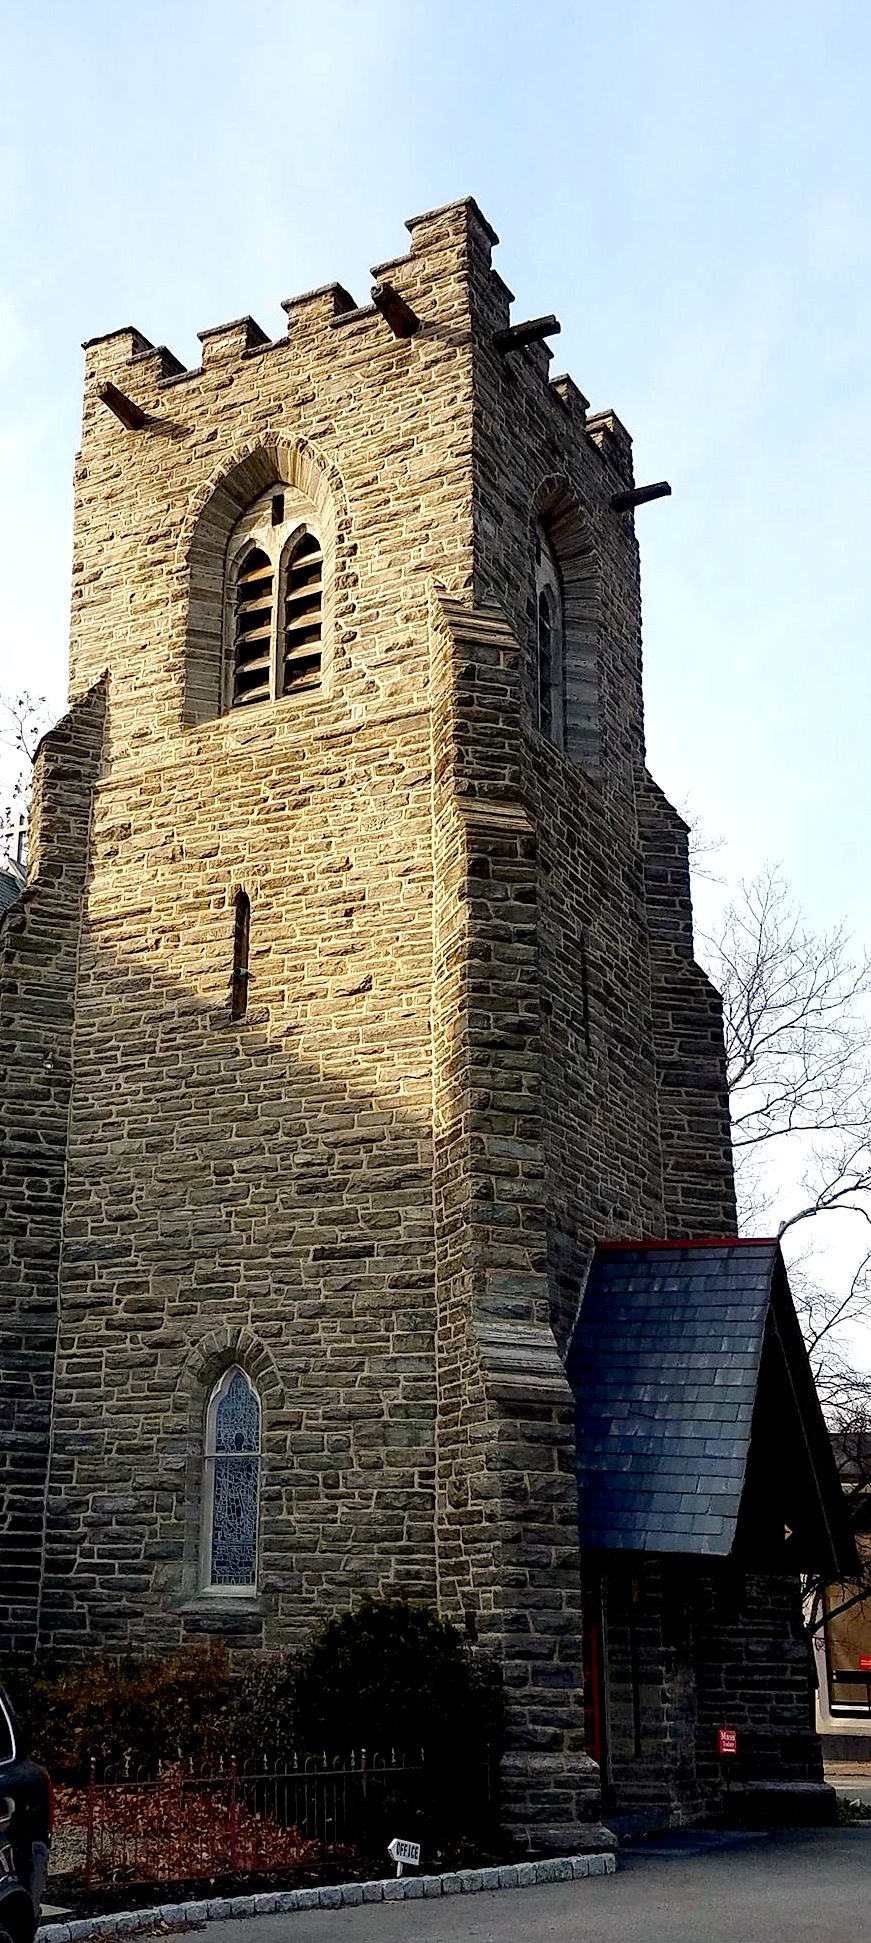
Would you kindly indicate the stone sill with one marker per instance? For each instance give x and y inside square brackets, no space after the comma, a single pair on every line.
[207,1606]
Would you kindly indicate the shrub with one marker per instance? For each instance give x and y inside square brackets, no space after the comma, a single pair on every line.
[389,1675]
[393,1675]
[128,1715]
[132,1715]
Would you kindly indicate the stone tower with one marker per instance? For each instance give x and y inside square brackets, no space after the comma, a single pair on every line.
[349,1021]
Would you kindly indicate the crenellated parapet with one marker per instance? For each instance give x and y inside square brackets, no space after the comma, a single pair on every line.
[451,249]
[439,419]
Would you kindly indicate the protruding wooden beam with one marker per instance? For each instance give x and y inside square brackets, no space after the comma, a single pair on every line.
[625,502]
[395,311]
[532,332]
[124,408]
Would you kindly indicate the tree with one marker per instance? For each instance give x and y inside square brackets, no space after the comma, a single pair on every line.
[800,1092]
[390,1674]
[800,1097]
[24,719]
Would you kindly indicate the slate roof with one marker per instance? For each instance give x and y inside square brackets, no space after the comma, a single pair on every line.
[11,886]
[664,1364]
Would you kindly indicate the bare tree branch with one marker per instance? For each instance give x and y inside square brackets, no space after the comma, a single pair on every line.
[850,1421]
[795,1049]
[24,719]
[704,844]
[799,1073]
[23,722]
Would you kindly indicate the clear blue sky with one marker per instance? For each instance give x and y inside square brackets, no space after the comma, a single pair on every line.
[686,185]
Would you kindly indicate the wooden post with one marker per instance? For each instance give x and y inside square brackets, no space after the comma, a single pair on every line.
[90,1816]
[532,332]
[124,408]
[396,312]
[625,502]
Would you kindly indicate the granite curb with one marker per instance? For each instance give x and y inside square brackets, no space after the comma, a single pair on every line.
[339,1895]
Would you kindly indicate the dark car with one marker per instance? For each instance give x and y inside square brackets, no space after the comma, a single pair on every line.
[25,1834]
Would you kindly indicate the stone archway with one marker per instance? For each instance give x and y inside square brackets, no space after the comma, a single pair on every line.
[205,537]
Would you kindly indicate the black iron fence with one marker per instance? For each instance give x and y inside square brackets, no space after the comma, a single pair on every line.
[185,1827]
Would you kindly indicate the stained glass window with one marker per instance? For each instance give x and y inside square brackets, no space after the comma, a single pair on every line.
[232,1481]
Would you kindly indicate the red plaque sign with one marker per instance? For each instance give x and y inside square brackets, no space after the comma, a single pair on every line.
[727,1740]
[865,1662]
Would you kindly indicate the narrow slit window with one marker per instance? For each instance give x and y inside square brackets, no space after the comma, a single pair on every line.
[241,944]
[585,993]
[549,675]
[231,1496]
[545,664]
[303,616]
[252,641]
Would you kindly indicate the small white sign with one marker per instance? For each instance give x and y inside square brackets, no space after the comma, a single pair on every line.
[404,1853]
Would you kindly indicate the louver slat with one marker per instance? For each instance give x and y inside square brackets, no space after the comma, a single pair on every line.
[253,631]
[303,614]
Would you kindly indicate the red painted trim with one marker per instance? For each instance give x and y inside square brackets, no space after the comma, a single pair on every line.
[698,1241]
[593,1723]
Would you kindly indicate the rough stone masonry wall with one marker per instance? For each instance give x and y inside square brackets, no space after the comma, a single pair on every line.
[259,1191]
[39,941]
[698,1181]
[754,1672]
[692,1645]
[507,1504]
[635,1116]
[254,1191]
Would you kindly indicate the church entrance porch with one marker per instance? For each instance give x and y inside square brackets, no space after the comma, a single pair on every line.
[707,1486]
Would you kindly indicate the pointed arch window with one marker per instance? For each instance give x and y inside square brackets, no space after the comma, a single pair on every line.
[252,643]
[549,626]
[274,603]
[303,613]
[231,1484]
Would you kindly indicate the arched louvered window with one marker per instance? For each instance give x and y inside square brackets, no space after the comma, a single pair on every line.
[274,615]
[231,1484]
[550,683]
[252,637]
[303,614]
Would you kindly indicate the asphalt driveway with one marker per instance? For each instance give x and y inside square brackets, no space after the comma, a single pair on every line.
[796,1886]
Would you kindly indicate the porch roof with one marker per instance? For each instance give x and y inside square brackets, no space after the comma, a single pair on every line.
[697,1417]
[11,886]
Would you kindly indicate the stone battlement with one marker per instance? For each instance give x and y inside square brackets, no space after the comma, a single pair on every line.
[433,278]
